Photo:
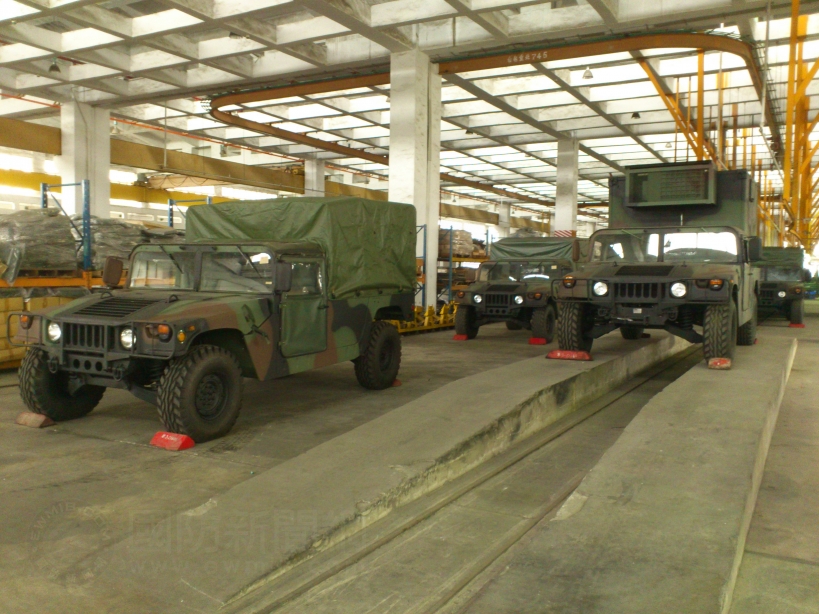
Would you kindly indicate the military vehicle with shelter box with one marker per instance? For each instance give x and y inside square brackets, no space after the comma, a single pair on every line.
[261,289]
[677,254]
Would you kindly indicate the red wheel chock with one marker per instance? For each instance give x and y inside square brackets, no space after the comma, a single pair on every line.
[460,338]
[396,383]
[172,441]
[34,421]
[720,364]
[537,341]
[796,326]
[568,355]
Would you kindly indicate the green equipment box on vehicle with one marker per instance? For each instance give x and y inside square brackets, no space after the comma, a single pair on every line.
[677,254]
[515,286]
[782,288]
[261,289]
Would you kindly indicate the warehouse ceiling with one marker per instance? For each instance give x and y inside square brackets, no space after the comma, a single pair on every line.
[158,62]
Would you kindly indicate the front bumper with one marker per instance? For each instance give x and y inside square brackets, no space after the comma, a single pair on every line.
[89,348]
[769,296]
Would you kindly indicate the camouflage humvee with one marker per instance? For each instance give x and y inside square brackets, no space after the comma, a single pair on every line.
[677,254]
[515,286]
[781,288]
[305,283]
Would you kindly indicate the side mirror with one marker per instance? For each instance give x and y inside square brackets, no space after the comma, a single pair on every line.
[754,249]
[806,275]
[284,276]
[112,272]
[576,253]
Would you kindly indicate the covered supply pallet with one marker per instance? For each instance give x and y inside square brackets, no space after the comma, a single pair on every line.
[459,240]
[111,238]
[369,245]
[36,239]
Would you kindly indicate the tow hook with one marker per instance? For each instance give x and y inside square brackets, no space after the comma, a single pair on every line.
[53,365]
[119,373]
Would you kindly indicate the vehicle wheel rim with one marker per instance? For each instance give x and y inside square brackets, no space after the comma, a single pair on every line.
[210,396]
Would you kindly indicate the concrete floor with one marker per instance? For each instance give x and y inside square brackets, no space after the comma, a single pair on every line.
[780,569]
[68,491]
[71,490]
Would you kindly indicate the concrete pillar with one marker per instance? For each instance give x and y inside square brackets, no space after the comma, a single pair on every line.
[314,178]
[86,154]
[504,220]
[415,146]
[566,199]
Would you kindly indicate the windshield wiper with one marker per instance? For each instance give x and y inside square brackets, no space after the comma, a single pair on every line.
[168,254]
[249,261]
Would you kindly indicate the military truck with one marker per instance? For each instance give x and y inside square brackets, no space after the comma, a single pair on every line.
[782,287]
[677,254]
[261,289]
[515,286]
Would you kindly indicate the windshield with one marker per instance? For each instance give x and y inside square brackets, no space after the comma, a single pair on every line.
[677,246]
[518,271]
[171,269]
[224,269]
[782,273]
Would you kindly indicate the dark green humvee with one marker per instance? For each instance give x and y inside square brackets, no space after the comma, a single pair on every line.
[678,254]
[261,289]
[515,286]
[782,287]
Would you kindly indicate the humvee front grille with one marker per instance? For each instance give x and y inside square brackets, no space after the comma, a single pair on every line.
[498,300]
[638,290]
[766,293]
[84,336]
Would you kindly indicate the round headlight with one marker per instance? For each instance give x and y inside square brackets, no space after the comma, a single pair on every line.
[54,332]
[126,338]
[782,294]
[678,289]
[518,300]
[600,288]
[477,299]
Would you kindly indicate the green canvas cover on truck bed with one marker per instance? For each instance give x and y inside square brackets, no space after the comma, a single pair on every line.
[369,245]
[532,248]
[782,256]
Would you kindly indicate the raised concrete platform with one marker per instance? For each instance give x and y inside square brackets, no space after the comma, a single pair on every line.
[659,525]
[208,555]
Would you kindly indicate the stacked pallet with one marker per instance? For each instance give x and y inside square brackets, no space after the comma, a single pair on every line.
[10,356]
[460,240]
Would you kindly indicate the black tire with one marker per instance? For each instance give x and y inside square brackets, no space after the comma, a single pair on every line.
[746,335]
[465,322]
[544,321]
[46,393]
[632,333]
[573,327]
[513,325]
[377,367]
[200,395]
[796,314]
[719,331]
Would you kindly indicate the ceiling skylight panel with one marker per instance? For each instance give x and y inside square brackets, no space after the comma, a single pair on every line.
[256,116]
[608,74]
[340,123]
[310,110]
[9,9]
[369,103]
[622,92]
